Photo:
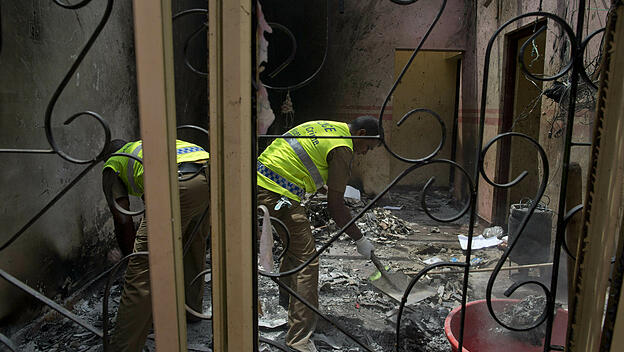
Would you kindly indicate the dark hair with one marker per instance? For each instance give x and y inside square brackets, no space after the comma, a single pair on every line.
[114,146]
[368,123]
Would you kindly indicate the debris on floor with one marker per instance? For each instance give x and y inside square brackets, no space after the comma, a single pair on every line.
[423,327]
[405,241]
[521,315]
[54,333]
[51,332]
[494,231]
[478,242]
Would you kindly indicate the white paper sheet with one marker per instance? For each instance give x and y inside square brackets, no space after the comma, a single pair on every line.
[478,242]
[351,192]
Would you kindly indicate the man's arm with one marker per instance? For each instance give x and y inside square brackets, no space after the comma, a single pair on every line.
[341,215]
[124,226]
[339,160]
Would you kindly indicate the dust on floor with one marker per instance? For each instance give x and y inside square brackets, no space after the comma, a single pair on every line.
[405,239]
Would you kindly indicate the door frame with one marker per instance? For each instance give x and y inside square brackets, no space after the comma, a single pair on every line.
[503,152]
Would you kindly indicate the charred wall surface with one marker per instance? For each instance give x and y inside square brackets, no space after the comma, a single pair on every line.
[40,41]
[68,245]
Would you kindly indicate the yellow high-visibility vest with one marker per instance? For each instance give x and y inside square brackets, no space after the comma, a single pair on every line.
[131,171]
[287,158]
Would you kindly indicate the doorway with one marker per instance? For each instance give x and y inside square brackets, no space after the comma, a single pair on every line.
[522,107]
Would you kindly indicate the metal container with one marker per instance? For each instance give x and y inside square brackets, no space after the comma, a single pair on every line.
[534,242]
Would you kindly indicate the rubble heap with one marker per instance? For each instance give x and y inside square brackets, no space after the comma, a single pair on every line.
[383,227]
[523,315]
[378,224]
[424,328]
[52,332]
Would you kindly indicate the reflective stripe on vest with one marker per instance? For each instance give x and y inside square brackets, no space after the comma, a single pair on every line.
[187,150]
[130,169]
[281,181]
[305,159]
[131,161]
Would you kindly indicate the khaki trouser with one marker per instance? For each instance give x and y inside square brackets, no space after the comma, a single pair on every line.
[301,319]
[134,317]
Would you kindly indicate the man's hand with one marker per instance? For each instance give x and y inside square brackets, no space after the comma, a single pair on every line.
[323,190]
[364,247]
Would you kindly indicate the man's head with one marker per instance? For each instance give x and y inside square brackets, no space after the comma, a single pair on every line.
[365,126]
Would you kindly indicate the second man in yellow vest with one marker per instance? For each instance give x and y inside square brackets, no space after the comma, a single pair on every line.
[288,169]
[123,176]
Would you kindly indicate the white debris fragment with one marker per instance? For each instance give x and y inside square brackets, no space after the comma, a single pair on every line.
[352,193]
[478,242]
[432,260]
[495,231]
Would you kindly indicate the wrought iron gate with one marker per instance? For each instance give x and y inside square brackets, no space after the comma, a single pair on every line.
[576,73]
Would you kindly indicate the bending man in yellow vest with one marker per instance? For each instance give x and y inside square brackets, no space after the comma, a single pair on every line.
[124,175]
[289,168]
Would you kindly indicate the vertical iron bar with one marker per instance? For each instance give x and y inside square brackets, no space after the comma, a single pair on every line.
[577,60]
[454,132]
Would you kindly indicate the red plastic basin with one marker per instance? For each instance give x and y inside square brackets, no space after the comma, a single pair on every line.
[478,336]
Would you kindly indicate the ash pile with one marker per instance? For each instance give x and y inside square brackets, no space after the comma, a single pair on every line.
[52,332]
[522,315]
[378,224]
[363,312]
[422,328]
